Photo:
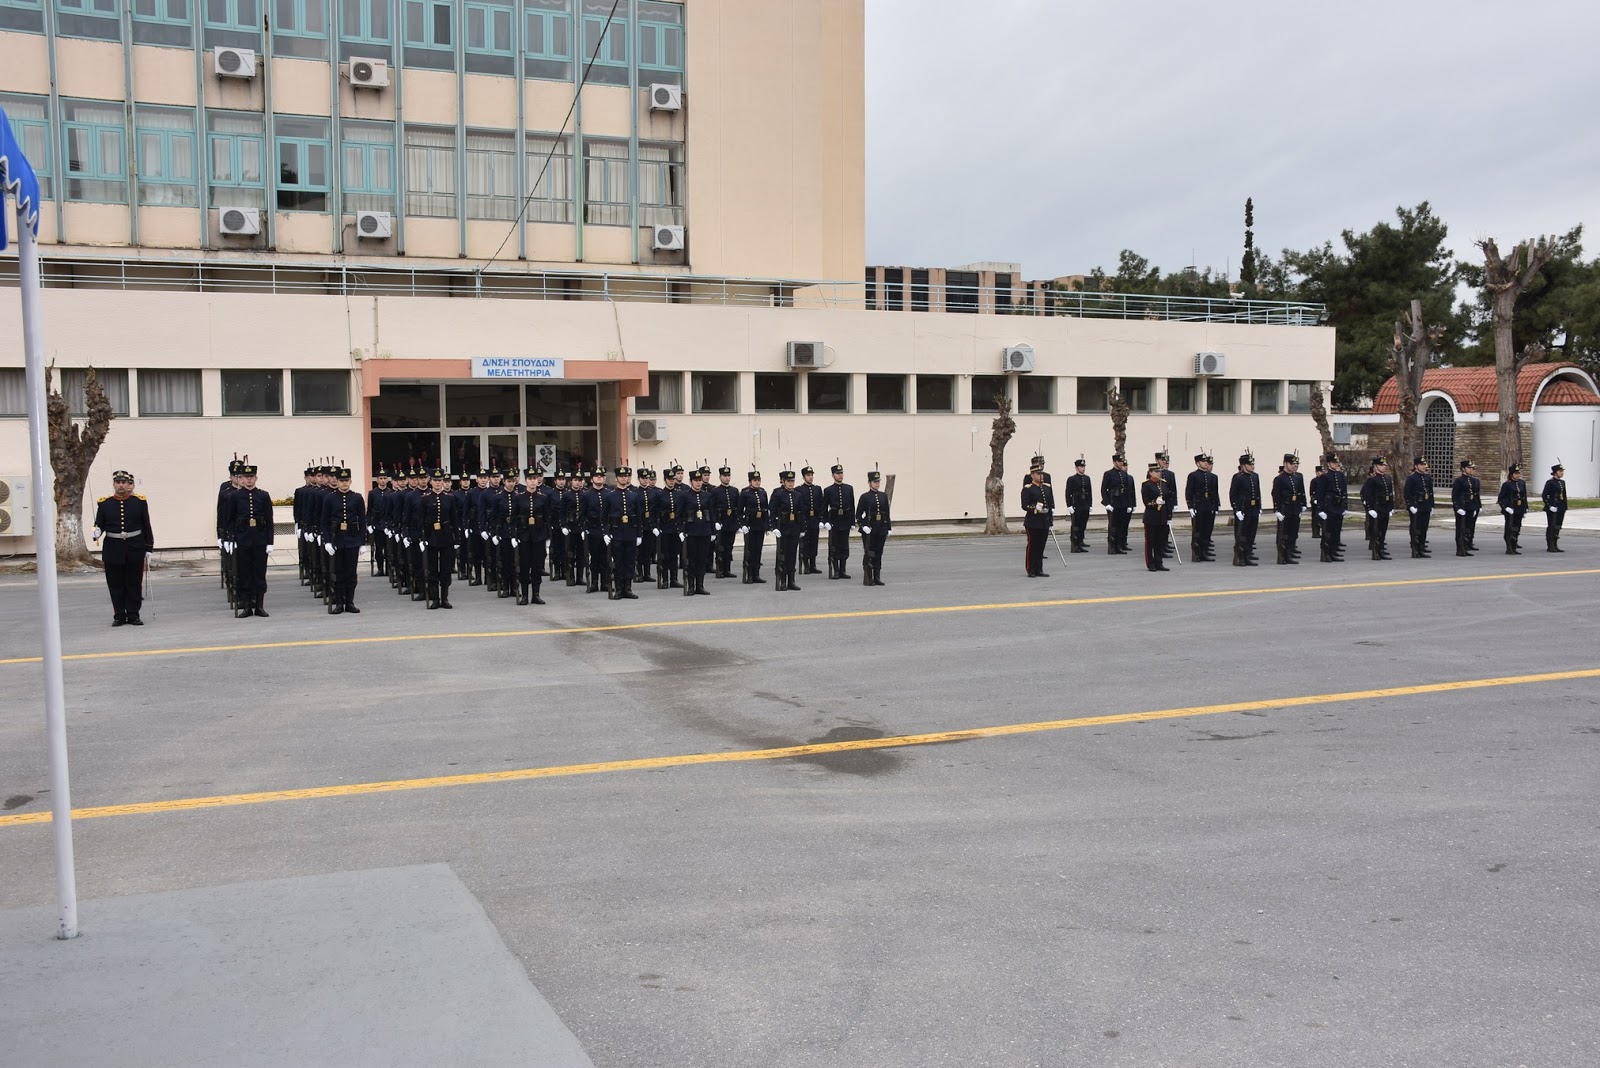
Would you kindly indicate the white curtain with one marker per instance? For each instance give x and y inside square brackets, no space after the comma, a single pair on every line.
[430,172]
[113,383]
[669,392]
[235,155]
[13,391]
[167,178]
[661,184]
[169,392]
[606,182]
[491,176]
[550,179]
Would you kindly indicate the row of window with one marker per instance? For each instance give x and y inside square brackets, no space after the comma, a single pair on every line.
[167,393]
[1029,394]
[367,166]
[961,291]
[552,31]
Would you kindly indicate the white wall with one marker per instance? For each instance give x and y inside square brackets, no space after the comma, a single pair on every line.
[1572,437]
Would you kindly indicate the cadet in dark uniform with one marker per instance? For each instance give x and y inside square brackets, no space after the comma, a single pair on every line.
[1288,501]
[1555,508]
[375,498]
[1466,497]
[1244,497]
[669,520]
[1201,493]
[1170,477]
[1157,533]
[1311,496]
[754,518]
[344,530]
[1037,460]
[811,509]
[1080,503]
[123,521]
[872,517]
[624,513]
[250,530]
[1377,497]
[1419,502]
[436,530]
[651,531]
[1038,516]
[727,522]
[304,529]
[230,570]
[592,520]
[838,512]
[788,522]
[514,491]
[1330,497]
[528,529]
[699,524]
[1119,493]
[1513,503]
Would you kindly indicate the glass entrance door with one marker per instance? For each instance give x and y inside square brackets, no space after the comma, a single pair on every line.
[483,451]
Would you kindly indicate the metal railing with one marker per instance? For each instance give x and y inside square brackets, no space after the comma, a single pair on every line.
[229,275]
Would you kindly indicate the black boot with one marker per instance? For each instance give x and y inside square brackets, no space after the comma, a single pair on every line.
[350,604]
[700,587]
[335,608]
[522,593]
[262,612]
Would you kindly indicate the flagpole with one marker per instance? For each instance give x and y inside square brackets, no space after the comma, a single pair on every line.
[44,510]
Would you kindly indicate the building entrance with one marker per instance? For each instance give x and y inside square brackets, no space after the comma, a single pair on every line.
[476,426]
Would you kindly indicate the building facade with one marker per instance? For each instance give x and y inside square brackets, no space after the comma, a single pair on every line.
[396,231]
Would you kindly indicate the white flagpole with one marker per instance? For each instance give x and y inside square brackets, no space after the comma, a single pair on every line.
[44,510]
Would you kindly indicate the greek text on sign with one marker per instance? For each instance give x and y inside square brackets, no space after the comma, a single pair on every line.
[518,367]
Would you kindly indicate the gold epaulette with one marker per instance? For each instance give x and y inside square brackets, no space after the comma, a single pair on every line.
[141,496]
[101,500]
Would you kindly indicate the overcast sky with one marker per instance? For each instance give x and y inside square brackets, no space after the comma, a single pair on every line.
[1055,133]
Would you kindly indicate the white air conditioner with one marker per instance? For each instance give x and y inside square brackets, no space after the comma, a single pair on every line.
[1210,363]
[369,73]
[668,239]
[806,354]
[16,506]
[1017,360]
[239,220]
[374,225]
[666,97]
[647,430]
[233,62]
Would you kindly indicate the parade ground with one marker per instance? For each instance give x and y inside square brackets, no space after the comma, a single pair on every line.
[1321,815]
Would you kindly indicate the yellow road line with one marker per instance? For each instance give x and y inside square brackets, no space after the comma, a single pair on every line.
[784,752]
[869,613]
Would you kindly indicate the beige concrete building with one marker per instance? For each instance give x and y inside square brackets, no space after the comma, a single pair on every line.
[371,230]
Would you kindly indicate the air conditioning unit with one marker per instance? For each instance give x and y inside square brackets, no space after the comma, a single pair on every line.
[1210,363]
[649,430]
[369,73]
[239,220]
[374,225]
[668,239]
[1017,360]
[806,354]
[233,62]
[16,506]
[666,97]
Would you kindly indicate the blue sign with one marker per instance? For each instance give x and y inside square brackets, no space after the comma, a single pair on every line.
[16,176]
[520,367]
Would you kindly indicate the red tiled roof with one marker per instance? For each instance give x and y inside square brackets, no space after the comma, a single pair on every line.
[1565,392]
[1473,388]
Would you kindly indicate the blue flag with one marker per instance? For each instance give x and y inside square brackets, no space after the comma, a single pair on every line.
[17,177]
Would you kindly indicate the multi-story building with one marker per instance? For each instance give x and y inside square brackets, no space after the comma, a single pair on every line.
[534,231]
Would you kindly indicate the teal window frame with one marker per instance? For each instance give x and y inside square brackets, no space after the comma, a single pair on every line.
[295,27]
[363,10]
[234,143]
[658,33]
[22,16]
[105,15]
[101,164]
[234,19]
[159,12]
[174,149]
[430,25]
[301,193]
[372,178]
[547,42]
[486,10]
[34,136]
[608,67]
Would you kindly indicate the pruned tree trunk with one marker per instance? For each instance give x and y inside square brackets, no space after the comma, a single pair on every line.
[73,448]
[1505,278]
[994,487]
[1118,405]
[1319,416]
[1409,360]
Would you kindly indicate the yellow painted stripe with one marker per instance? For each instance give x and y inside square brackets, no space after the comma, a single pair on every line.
[784,752]
[869,613]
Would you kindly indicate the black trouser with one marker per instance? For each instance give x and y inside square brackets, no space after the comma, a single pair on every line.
[1080,525]
[1466,530]
[624,557]
[1419,529]
[1156,535]
[872,549]
[1289,532]
[250,570]
[668,555]
[754,541]
[1513,527]
[786,552]
[725,536]
[839,544]
[344,573]
[599,559]
[440,561]
[650,549]
[125,580]
[1332,531]
[533,553]
[1244,534]
[808,545]
[1117,528]
[1552,525]
[558,554]
[1200,533]
[1380,530]
[698,548]
[379,563]
[1033,561]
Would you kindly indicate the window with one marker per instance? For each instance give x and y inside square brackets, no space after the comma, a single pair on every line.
[661,184]
[163,22]
[303,164]
[919,290]
[715,392]
[367,158]
[827,392]
[321,392]
[1092,394]
[252,393]
[167,173]
[1300,398]
[430,34]
[1036,394]
[1137,392]
[364,29]
[563,405]
[1221,397]
[961,291]
[488,29]
[430,172]
[236,145]
[92,148]
[233,14]
[547,39]
[401,407]
[1002,294]
[1264,397]
[872,288]
[549,179]
[984,389]
[936,393]
[13,393]
[30,125]
[114,383]
[24,16]
[666,393]
[300,28]
[98,20]
[607,43]
[605,182]
[1180,396]
[660,42]
[894,289]
[169,393]
[777,393]
[491,175]
[886,393]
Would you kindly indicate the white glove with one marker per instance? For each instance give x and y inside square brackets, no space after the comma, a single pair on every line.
[607,538]
[717,525]
[1461,511]
[827,526]
[1071,510]
[1278,516]
[1194,513]
[887,531]
[96,533]
[1553,511]
[1238,515]
[566,531]
[683,537]
[422,545]
[744,530]
[269,550]
[866,530]
[330,548]
[1413,509]
[484,534]
[515,543]
[1322,515]
[656,531]
[1129,509]
[639,540]
[407,542]
[1507,511]
[369,530]
[495,539]
[220,544]
[1373,512]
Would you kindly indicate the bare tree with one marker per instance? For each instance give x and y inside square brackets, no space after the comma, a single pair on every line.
[1410,358]
[1117,402]
[1319,416]
[73,448]
[994,487]
[1505,278]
